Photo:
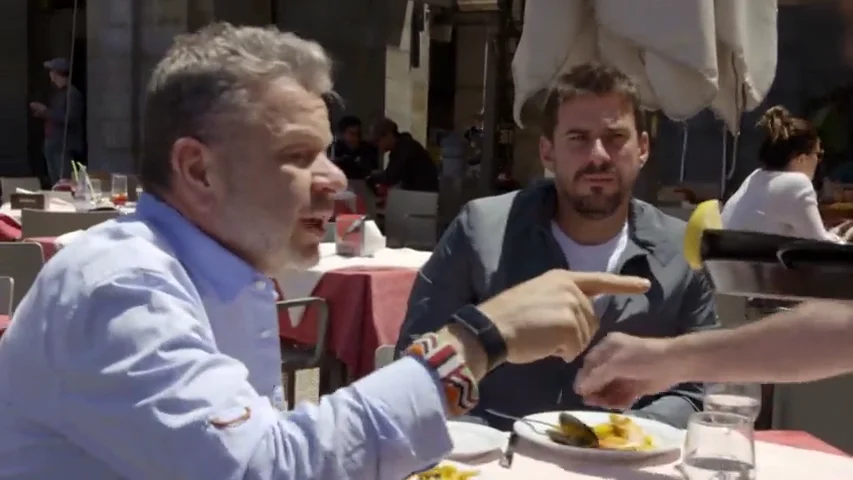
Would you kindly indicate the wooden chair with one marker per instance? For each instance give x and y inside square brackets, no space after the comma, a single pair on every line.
[44,223]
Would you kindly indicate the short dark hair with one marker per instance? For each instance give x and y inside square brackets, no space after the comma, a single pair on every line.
[589,79]
[384,126]
[787,137]
[347,122]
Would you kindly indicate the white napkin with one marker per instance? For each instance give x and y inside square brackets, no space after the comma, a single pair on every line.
[374,241]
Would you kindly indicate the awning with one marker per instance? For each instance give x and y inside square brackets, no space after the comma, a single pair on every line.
[684,55]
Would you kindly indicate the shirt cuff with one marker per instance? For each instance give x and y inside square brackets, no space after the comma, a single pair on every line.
[411,395]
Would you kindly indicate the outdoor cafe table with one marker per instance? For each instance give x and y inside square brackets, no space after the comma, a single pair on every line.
[367,300]
[775,461]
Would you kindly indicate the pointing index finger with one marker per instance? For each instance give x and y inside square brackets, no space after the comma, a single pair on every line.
[593,283]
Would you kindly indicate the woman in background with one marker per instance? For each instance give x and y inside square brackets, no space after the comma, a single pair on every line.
[779,197]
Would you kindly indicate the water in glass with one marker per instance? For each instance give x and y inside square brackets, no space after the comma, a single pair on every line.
[97,190]
[740,398]
[725,402]
[719,446]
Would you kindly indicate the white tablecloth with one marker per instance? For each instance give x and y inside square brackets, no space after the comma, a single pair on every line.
[299,284]
[774,462]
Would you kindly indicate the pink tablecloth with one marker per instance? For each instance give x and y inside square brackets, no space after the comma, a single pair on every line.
[366,309]
[10,229]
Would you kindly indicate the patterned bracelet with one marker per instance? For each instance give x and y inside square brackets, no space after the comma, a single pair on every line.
[460,386]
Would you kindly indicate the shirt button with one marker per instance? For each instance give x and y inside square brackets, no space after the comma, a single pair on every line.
[261,285]
[268,333]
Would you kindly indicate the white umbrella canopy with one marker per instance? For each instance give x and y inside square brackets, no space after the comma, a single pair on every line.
[684,55]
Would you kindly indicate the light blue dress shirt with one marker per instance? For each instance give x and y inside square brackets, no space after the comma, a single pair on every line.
[147,351]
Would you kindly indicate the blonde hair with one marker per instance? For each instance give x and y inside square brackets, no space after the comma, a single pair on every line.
[787,137]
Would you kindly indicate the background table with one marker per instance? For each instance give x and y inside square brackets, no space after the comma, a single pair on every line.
[366,309]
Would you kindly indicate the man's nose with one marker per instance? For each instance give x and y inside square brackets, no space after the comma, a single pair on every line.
[327,176]
[598,154]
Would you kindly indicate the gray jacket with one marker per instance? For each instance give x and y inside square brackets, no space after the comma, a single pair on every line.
[498,242]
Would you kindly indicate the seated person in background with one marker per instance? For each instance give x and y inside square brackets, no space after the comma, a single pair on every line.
[584,219]
[779,197]
[409,165]
[355,157]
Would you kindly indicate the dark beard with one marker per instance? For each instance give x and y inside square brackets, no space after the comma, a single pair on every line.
[596,205]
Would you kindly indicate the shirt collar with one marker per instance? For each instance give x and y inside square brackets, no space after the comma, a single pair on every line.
[209,263]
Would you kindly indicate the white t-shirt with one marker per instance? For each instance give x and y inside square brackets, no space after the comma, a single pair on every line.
[592,258]
[782,203]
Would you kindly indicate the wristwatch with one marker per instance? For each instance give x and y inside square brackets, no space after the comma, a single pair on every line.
[487,334]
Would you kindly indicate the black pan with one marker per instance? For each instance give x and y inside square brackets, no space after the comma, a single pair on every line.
[774,266]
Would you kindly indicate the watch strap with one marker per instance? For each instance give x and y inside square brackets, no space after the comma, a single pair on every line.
[457,380]
[478,324]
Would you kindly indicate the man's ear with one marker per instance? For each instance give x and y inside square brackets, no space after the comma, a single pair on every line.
[644,143]
[546,153]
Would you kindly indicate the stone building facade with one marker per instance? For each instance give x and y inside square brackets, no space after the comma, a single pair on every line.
[371,45]
[380,48]
[382,51]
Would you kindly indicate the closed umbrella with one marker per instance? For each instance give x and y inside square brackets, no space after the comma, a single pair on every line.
[684,55]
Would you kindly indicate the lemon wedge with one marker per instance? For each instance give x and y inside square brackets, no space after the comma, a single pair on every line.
[706,216]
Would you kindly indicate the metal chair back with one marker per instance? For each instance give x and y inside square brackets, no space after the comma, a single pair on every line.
[7,290]
[45,223]
[411,219]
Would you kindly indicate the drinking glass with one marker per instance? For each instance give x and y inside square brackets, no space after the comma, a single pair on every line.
[119,189]
[719,446]
[97,190]
[740,398]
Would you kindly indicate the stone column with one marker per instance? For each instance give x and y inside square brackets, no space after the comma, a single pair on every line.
[406,83]
[14,89]
[370,42]
[126,38]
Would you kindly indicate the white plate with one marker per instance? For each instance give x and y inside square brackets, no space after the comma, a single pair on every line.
[471,440]
[667,439]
